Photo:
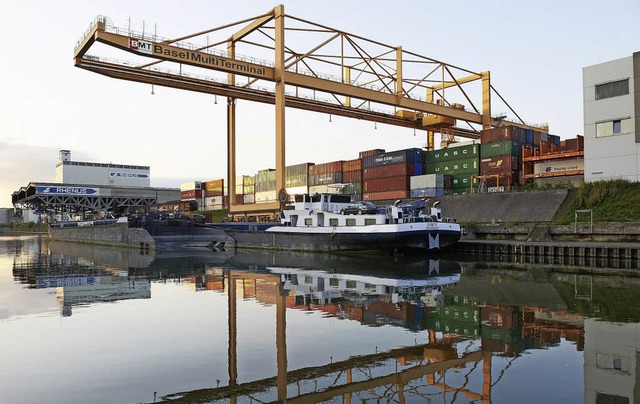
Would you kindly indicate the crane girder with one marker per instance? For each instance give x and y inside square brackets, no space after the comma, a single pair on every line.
[165,52]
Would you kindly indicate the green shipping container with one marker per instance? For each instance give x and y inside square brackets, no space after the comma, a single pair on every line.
[462,166]
[505,148]
[452,153]
[461,181]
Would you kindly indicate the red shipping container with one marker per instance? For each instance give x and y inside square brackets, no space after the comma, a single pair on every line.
[393,170]
[499,164]
[350,177]
[326,168]
[191,194]
[209,193]
[352,165]
[499,134]
[387,195]
[368,153]
[400,183]
[499,317]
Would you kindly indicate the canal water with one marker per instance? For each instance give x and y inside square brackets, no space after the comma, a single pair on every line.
[86,324]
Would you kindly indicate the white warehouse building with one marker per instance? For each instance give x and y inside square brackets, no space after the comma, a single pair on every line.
[612,120]
[84,173]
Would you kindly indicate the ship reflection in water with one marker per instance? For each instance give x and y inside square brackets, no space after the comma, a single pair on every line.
[194,325]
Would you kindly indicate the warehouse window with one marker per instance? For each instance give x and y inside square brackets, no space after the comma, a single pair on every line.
[612,89]
[614,127]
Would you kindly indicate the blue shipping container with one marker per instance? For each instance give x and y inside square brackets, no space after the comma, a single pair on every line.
[413,155]
[422,192]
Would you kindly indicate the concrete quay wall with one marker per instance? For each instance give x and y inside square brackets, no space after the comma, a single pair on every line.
[117,235]
[520,207]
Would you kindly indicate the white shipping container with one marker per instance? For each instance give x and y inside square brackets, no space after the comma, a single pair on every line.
[549,167]
[427,181]
[324,189]
[249,198]
[191,185]
[213,200]
[301,190]
[265,196]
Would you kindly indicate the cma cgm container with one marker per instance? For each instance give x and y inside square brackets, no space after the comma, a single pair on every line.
[413,155]
[394,170]
[452,153]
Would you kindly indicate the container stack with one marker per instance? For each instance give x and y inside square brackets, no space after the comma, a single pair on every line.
[248,189]
[461,161]
[191,191]
[265,186]
[326,178]
[297,179]
[352,179]
[429,185]
[387,176]
[501,153]
[214,194]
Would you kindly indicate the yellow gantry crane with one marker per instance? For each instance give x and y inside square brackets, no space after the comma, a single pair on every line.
[338,74]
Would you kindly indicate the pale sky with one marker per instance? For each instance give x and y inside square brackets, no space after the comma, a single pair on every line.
[535,52]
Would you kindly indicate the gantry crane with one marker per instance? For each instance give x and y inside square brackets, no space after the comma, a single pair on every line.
[372,81]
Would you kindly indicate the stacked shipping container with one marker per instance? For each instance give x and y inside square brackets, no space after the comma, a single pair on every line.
[297,178]
[326,177]
[214,194]
[460,161]
[352,178]
[386,176]
[429,185]
[265,186]
[501,152]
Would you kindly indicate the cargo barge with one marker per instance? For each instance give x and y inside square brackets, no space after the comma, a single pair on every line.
[317,223]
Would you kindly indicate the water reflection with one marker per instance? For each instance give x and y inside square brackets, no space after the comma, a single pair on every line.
[313,328]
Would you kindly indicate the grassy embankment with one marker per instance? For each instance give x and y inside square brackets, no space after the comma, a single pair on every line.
[611,201]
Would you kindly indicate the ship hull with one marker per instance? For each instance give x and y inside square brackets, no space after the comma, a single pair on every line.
[394,241]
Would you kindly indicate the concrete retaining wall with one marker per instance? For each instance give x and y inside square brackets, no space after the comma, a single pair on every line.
[118,235]
[529,206]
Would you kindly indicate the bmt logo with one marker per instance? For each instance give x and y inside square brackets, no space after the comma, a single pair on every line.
[140,46]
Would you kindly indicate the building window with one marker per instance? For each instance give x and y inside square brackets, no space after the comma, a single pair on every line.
[612,89]
[615,127]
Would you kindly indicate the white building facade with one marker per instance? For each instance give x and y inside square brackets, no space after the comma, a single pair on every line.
[611,118]
[85,173]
